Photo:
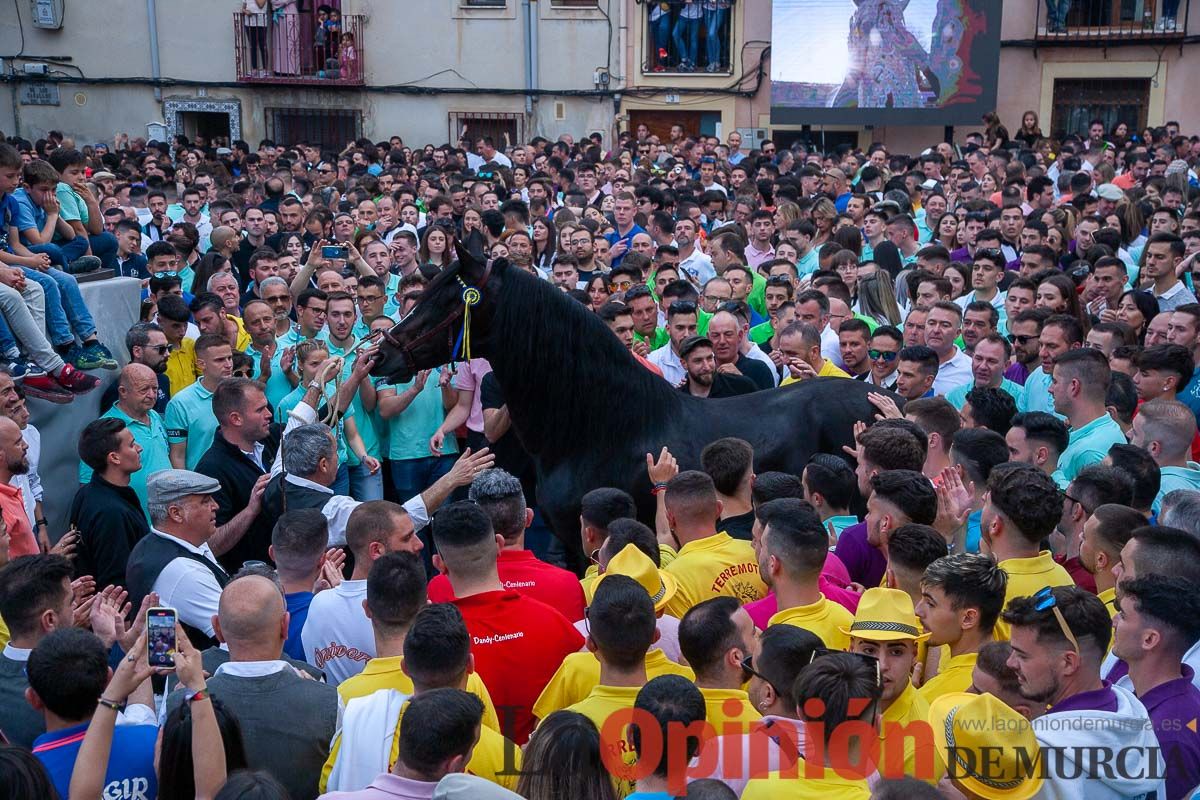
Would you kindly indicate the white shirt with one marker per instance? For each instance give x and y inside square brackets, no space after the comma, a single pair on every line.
[337,635]
[755,352]
[188,586]
[251,669]
[475,161]
[338,508]
[17,653]
[30,483]
[953,373]
[666,359]
[831,348]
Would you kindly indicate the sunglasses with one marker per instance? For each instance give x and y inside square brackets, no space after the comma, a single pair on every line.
[1021,340]
[1045,600]
[749,671]
[887,355]
[620,285]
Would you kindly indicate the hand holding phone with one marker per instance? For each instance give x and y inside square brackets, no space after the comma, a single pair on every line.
[161,642]
[335,251]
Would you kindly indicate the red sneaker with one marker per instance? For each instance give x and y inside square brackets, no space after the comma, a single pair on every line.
[76,381]
[46,388]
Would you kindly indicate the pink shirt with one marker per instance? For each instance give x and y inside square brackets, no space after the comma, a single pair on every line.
[833,582]
[469,377]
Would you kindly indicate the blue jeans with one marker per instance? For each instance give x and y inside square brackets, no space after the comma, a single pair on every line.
[8,342]
[341,484]
[363,485]
[412,476]
[1056,14]
[687,40]
[67,316]
[1170,8]
[714,42]
[662,36]
[104,247]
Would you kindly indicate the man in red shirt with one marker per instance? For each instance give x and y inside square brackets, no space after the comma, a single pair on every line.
[517,642]
[500,496]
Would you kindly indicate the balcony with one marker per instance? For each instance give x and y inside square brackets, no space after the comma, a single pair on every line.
[288,51]
[1108,23]
[688,39]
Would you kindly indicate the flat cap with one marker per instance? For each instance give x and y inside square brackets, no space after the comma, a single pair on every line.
[1110,192]
[169,485]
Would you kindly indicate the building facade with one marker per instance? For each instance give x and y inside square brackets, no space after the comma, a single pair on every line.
[427,69]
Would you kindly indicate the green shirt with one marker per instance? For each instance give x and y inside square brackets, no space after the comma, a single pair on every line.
[958,395]
[762,332]
[71,205]
[409,431]
[364,421]
[156,455]
[757,299]
[1089,445]
[190,419]
[1177,478]
[660,338]
[284,410]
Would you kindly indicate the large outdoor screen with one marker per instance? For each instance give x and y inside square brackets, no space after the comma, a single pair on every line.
[879,62]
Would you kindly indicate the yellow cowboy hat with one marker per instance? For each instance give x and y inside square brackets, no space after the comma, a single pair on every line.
[964,724]
[885,615]
[633,563]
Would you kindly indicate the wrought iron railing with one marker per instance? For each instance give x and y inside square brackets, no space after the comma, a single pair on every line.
[1105,23]
[299,49]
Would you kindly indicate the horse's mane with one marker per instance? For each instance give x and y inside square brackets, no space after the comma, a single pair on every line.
[568,381]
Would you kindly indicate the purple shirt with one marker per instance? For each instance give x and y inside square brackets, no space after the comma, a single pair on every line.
[866,564]
[961,254]
[1102,699]
[1173,706]
[1017,373]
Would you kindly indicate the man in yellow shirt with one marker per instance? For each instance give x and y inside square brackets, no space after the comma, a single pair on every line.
[1022,506]
[846,689]
[620,631]
[579,673]
[792,551]
[885,627]
[800,347]
[662,704]
[709,564]
[964,728]
[1104,534]
[435,653]
[961,598]
[715,639]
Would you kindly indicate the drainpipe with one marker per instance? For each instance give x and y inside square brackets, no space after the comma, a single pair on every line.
[155,65]
[533,52]
[528,35]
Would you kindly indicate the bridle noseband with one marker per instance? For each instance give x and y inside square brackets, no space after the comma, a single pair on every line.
[471,296]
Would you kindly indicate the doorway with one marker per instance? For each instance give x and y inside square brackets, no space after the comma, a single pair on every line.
[660,120]
[212,126]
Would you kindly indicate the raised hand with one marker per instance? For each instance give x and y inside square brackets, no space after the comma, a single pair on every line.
[108,612]
[663,469]
[471,464]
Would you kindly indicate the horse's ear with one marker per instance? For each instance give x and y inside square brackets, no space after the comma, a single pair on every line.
[470,268]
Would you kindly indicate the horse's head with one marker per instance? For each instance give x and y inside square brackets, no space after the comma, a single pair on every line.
[433,333]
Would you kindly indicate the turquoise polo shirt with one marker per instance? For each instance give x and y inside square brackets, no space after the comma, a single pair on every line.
[278,385]
[190,419]
[156,455]
[366,422]
[284,410]
[808,264]
[408,432]
[1177,478]
[839,523]
[1089,445]
[958,395]
[1037,393]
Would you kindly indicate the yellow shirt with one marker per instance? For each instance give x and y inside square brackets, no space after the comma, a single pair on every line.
[579,674]
[827,370]
[665,556]
[600,704]
[1109,598]
[711,567]
[487,760]
[825,785]
[729,711]
[385,673]
[953,676]
[4,634]
[823,618]
[907,709]
[181,366]
[1027,577]
[243,338]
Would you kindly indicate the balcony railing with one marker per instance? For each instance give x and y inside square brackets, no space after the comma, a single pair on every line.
[1106,23]
[298,49]
[688,38]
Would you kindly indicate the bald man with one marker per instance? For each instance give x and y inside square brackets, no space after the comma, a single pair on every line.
[287,721]
[225,240]
[137,392]
[14,462]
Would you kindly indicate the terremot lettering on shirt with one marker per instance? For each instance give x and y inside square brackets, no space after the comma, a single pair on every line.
[745,592]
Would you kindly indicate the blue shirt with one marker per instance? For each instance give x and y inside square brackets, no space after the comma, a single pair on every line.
[615,237]
[1037,393]
[1190,395]
[974,532]
[1177,478]
[297,606]
[130,774]
[26,214]
[1089,445]
[8,214]
[958,395]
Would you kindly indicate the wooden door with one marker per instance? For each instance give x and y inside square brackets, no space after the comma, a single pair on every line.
[659,121]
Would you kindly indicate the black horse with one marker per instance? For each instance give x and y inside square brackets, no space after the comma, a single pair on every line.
[584,409]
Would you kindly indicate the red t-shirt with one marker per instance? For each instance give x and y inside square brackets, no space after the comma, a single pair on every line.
[523,572]
[518,644]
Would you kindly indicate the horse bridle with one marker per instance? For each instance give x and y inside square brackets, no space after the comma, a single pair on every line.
[471,295]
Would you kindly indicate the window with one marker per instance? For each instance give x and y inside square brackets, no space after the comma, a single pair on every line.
[496,125]
[486,3]
[692,38]
[1078,101]
[1100,21]
[325,127]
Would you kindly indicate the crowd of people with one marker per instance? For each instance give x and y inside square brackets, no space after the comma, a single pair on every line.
[992,592]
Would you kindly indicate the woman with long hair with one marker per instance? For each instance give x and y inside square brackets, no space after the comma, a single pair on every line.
[850,237]
[1136,308]
[824,212]
[786,212]
[1057,293]
[435,247]
[597,290]
[23,776]
[946,233]
[563,760]
[877,299]
[210,264]
[959,276]
[994,133]
[1030,131]
[845,264]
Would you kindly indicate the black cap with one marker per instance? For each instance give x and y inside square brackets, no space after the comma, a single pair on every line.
[691,343]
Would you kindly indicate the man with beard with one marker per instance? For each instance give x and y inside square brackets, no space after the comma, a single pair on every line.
[703,379]
[14,462]
[991,355]
[147,344]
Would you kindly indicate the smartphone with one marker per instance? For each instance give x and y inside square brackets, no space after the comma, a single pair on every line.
[160,637]
[335,251]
